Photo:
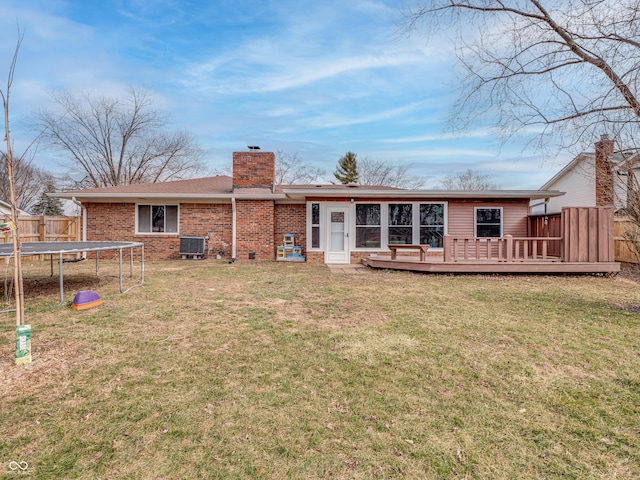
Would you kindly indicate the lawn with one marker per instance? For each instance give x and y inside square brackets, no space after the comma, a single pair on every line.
[287,371]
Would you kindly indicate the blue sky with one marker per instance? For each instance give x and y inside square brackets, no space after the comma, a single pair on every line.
[311,78]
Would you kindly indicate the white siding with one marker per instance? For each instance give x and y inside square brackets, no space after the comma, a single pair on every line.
[580,187]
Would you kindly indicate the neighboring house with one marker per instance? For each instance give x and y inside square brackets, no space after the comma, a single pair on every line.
[245,216]
[5,209]
[616,177]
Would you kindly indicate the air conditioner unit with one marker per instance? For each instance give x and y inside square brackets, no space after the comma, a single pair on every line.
[192,247]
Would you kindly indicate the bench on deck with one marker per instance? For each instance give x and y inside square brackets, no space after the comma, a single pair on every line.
[422,248]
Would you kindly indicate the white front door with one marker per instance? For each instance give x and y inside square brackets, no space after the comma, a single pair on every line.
[337,235]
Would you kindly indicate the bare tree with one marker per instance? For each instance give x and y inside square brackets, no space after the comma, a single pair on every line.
[568,68]
[631,210]
[28,180]
[391,174]
[118,141]
[10,164]
[291,170]
[468,180]
[617,184]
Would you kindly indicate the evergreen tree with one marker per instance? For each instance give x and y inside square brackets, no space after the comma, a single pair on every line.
[347,171]
[46,205]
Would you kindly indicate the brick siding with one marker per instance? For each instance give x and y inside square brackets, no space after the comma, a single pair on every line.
[604,175]
[260,224]
[255,220]
[116,222]
[253,169]
[291,218]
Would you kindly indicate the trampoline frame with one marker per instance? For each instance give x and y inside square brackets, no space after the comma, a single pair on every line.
[61,248]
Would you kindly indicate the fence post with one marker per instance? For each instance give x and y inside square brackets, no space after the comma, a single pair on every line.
[41,228]
[447,248]
[509,239]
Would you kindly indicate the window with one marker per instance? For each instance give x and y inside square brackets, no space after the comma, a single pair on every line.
[368,225]
[315,225]
[157,219]
[400,223]
[488,222]
[432,224]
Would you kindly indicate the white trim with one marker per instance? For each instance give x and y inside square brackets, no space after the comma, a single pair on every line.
[234,229]
[384,223]
[445,224]
[329,256]
[309,227]
[161,234]
[475,220]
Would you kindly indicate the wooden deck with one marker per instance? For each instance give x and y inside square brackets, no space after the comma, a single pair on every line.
[436,264]
[585,245]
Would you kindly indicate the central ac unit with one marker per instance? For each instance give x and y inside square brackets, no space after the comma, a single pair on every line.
[192,246]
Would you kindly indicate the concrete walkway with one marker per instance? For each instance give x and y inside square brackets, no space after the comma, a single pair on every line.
[352,269]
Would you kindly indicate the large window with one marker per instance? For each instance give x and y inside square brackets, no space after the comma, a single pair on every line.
[315,225]
[376,225]
[488,222]
[400,223]
[432,224]
[368,226]
[157,219]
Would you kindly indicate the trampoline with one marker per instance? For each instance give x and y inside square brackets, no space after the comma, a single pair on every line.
[60,248]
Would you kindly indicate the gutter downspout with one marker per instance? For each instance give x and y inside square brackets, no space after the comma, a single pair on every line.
[83,209]
[233,230]
[545,203]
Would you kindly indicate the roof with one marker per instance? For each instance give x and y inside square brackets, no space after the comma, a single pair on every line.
[373,192]
[5,208]
[221,187]
[618,161]
[208,185]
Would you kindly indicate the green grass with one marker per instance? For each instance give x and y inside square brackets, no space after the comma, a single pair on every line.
[272,370]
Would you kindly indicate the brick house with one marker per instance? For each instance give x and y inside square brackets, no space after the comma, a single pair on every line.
[245,216]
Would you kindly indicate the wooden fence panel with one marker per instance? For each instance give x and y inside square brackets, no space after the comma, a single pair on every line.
[626,240]
[46,229]
[588,234]
[547,225]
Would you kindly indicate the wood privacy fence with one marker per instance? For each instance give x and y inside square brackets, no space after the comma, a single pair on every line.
[626,240]
[45,229]
[549,225]
[624,233]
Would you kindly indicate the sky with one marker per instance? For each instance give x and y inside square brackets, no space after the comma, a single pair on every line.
[310,78]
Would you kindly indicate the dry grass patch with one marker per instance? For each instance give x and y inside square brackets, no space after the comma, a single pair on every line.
[270,370]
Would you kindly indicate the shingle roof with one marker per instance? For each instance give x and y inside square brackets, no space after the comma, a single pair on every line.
[220,184]
[221,187]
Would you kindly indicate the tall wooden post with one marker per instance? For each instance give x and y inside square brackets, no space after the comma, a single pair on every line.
[17,259]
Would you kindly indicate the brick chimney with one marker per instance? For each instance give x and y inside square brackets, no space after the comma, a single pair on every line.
[254,169]
[604,174]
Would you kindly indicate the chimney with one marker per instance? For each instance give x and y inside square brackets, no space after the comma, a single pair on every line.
[254,169]
[604,174]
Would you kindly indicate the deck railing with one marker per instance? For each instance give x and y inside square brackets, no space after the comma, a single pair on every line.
[502,249]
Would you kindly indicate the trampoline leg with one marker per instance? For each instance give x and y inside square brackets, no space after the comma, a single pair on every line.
[120,252]
[61,279]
